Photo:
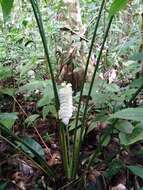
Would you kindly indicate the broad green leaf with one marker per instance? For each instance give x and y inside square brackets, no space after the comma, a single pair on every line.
[127,94]
[5,72]
[49,109]
[123,139]
[6,8]
[43,101]
[136,83]
[91,127]
[52,110]
[106,140]
[7,123]
[96,86]
[124,126]
[3,185]
[134,114]
[72,125]
[8,119]
[136,170]
[45,111]
[8,91]
[34,145]
[116,6]
[12,116]
[137,57]
[128,139]
[99,98]
[112,88]
[43,86]
[29,120]
[114,168]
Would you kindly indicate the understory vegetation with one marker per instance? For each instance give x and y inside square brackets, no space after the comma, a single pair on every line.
[71,94]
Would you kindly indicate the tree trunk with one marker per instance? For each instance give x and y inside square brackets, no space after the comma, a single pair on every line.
[73,45]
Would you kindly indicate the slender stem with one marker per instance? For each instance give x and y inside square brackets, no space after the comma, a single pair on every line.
[43,37]
[95,71]
[87,63]
[84,79]
[77,140]
[64,150]
[63,138]
[47,149]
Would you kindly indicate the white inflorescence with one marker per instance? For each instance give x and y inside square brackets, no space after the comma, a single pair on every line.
[66,104]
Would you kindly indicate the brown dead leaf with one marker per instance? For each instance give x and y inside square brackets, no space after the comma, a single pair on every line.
[55,159]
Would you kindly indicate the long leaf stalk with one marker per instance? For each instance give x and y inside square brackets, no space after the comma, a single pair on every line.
[95,71]
[62,134]
[43,37]
[87,63]
[78,139]
[64,149]
[84,79]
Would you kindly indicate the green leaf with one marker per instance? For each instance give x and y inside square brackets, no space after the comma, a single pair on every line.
[106,140]
[136,83]
[45,111]
[8,119]
[128,139]
[116,6]
[134,114]
[91,127]
[124,126]
[43,101]
[114,168]
[123,139]
[49,109]
[34,145]
[43,86]
[30,120]
[12,116]
[6,8]
[72,125]
[137,57]
[8,91]
[3,185]
[7,123]
[5,72]
[112,88]
[136,170]
[52,110]
[99,98]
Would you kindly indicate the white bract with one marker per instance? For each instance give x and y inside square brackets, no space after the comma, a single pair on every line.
[66,103]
